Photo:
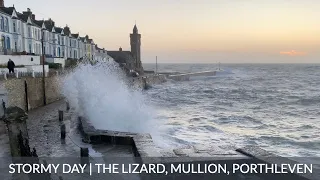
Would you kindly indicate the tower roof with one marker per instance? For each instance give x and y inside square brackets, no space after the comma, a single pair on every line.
[135,29]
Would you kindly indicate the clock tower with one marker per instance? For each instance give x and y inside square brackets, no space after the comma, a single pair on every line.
[135,42]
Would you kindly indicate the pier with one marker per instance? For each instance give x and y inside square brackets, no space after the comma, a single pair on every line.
[187,76]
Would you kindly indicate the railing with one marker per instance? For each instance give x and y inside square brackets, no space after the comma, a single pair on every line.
[6,76]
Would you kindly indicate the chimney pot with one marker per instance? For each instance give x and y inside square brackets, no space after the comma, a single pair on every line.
[120,49]
[28,9]
[1,3]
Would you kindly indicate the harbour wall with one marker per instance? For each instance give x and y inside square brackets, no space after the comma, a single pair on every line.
[187,76]
[142,82]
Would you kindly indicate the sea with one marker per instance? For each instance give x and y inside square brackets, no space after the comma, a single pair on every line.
[272,106]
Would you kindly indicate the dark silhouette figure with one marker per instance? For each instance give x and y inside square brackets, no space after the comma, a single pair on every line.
[11,66]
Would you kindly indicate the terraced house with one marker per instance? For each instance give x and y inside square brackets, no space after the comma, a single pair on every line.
[21,34]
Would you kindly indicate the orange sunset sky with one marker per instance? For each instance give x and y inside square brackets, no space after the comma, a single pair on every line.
[198,31]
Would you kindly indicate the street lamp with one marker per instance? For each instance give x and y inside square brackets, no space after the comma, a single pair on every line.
[156,65]
[43,71]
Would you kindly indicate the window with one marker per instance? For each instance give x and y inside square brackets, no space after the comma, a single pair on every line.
[8,43]
[15,46]
[36,34]
[5,24]
[18,25]
[14,27]
[1,23]
[30,48]
[8,29]
[59,41]
[29,31]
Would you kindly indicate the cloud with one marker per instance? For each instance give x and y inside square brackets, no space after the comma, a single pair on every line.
[292,53]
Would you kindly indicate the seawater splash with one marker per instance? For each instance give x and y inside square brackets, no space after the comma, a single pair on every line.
[100,93]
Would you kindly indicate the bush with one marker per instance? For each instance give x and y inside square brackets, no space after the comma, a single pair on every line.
[5,66]
[70,63]
[54,65]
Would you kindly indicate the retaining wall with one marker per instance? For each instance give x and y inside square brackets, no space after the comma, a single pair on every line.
[20,59]
[27,68]
[12,91]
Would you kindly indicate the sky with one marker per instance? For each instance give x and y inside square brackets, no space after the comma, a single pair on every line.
[194,31]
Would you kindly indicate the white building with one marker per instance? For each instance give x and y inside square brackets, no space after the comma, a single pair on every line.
[101,54]
[21,34]
[18,32]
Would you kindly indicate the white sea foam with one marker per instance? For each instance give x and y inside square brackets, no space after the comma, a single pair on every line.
[100,93]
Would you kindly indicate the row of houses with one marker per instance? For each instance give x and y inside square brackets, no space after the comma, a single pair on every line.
[22,33]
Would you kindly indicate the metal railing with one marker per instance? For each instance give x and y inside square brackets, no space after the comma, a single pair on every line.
[17,74]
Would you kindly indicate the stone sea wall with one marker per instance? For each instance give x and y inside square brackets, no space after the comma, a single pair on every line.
[13,92]
[27,92]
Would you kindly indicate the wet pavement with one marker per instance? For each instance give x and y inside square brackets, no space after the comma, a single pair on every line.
[44,134]
[4,141]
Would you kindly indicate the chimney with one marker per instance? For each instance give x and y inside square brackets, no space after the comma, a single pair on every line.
[120,49]
[1,3]
[33,17]
[28,12]
[51,22]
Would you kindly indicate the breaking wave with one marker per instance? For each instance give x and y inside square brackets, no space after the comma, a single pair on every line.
[100,93]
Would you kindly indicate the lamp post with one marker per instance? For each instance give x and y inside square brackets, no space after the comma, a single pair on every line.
[43,70]
[156,65]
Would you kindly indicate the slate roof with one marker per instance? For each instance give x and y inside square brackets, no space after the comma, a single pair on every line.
[121,56]
[82,39]
[75,35]
[23,17]
[58,30]
[39,23]
[7,10]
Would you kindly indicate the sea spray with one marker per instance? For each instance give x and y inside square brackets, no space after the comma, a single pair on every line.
[100,93]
